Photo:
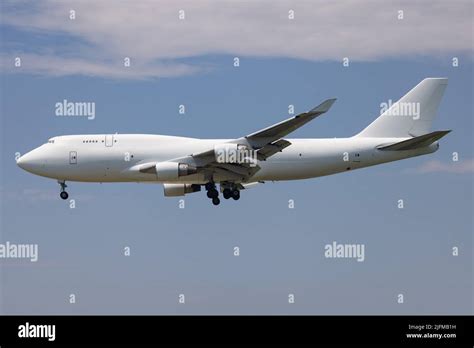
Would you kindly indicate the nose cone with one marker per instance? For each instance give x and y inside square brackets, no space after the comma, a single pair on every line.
[25,162]
[31,162]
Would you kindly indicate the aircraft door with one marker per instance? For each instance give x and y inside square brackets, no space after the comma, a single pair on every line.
[109,140]
[72,157]
[356,157]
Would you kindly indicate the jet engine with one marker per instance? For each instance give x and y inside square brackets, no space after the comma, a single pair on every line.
[173,190]
[173,170]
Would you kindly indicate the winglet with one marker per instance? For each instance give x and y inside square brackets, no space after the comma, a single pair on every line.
[323,107]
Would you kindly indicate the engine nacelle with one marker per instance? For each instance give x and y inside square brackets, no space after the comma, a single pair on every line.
[173,170]
[233,153]
[174,190]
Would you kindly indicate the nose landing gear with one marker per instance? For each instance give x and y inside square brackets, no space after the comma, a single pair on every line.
[63,194]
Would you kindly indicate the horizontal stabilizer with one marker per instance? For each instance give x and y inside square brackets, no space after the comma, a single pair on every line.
[416,142]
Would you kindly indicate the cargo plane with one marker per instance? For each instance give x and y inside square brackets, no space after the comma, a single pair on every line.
[186,165]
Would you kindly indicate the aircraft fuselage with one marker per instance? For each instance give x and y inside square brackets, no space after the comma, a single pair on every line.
[116,158]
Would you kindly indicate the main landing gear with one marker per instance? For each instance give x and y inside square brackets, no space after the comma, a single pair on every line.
[212,193]
[63,194]
[228,192]
[231,193]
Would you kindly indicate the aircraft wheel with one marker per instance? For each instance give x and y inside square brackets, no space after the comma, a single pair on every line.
[216,201]
[212,193]
[227,193]
[64,195]
[209,186]
[236,194]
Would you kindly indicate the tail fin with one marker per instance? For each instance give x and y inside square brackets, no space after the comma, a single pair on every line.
[412,115]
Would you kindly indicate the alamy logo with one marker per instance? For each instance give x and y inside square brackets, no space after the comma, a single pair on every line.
[67,108]
[19,251]
[345,251]
[37,331]
[241,154]
[410,109]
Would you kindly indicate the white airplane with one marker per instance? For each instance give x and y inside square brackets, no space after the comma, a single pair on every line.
[184,165]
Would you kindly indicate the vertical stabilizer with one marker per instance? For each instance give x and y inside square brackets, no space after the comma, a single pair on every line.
[412,115]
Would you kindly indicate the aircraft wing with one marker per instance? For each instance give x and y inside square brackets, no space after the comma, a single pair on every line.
[283,128]
[206,162]
[265,142]
[270,149]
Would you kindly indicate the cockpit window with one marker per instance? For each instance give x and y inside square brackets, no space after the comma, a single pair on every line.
[51,141]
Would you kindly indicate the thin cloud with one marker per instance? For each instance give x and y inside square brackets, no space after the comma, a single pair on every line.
[435,166]
[151,34]
[62,66]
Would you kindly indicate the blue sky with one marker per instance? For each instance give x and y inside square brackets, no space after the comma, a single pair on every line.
[190,250]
